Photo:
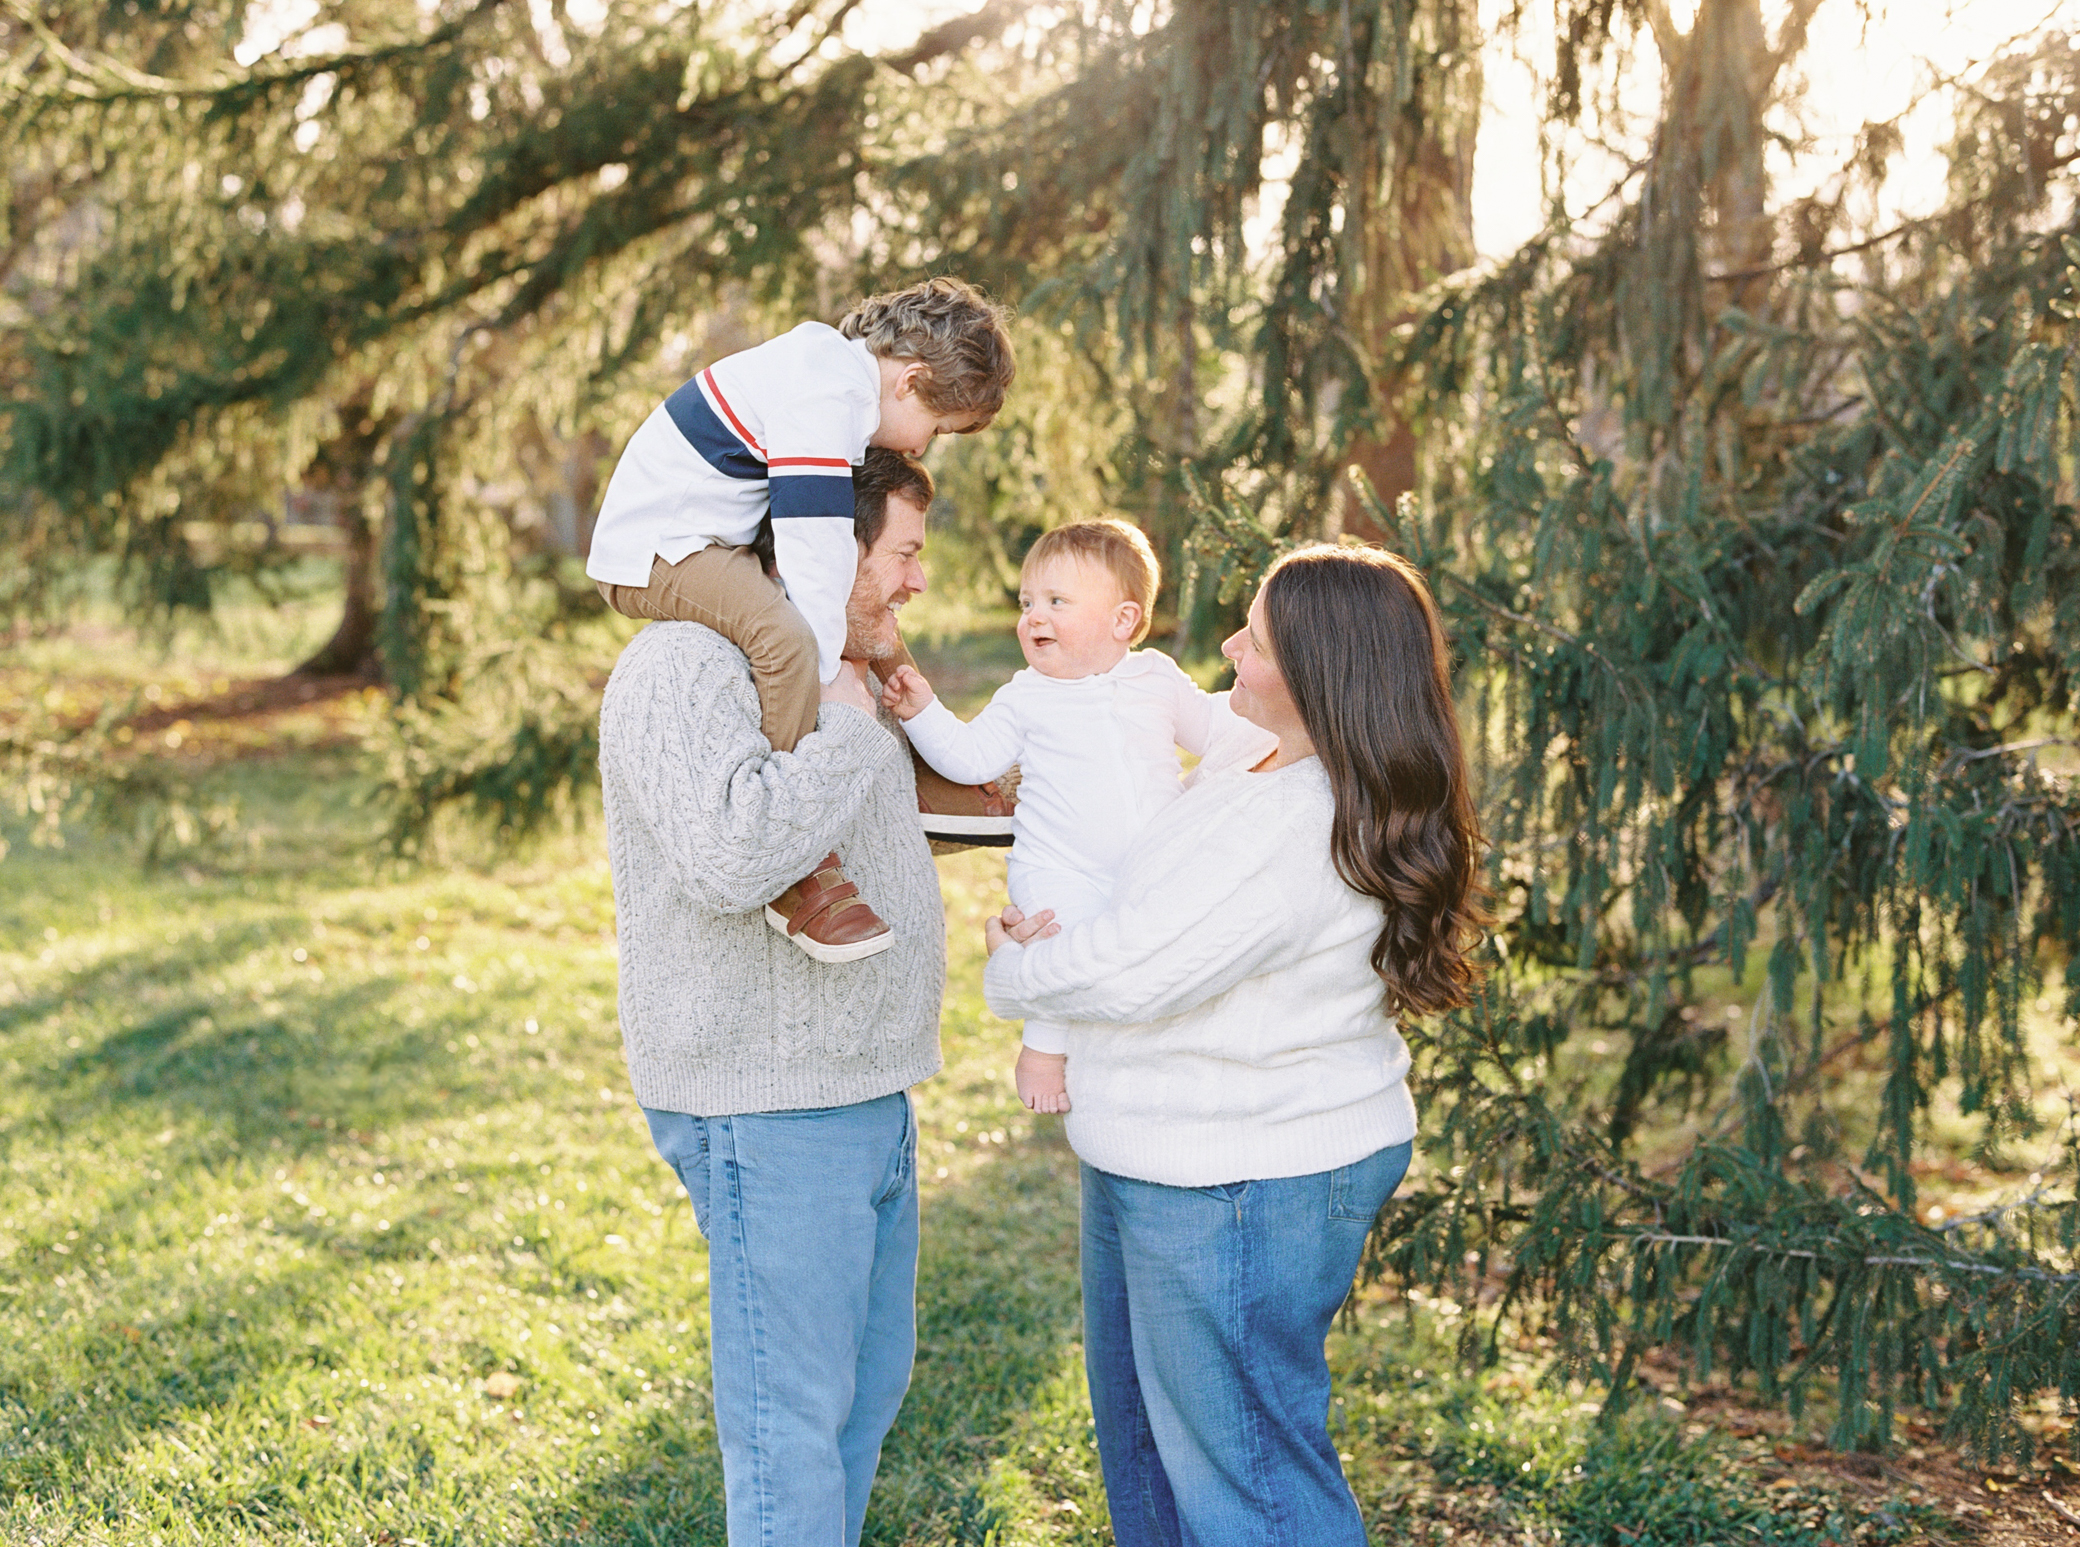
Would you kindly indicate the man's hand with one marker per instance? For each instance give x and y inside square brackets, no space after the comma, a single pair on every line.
[906,693]
[1015,927]
[849,687]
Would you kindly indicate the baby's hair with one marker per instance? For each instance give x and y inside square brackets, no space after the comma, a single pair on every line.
[1116,546]
[955,331]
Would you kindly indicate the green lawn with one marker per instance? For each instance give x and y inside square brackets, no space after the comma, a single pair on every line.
[326,1216]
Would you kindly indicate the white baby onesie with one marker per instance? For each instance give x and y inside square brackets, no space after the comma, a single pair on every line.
[1097,760]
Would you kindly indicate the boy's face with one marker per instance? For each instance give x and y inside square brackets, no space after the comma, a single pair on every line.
[1072,619]
[908,423]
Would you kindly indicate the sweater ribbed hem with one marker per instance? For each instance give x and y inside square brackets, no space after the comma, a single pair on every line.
[1183,1152]
[689,1086]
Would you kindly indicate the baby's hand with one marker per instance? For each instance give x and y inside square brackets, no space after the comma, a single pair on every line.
[906,693]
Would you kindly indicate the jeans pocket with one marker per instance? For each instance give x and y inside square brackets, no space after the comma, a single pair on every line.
[696,1180]
[1358,1191]
[682,1140]
[904,1173]
[1344,1195]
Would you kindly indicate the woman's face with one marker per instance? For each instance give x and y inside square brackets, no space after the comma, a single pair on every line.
[1260,694]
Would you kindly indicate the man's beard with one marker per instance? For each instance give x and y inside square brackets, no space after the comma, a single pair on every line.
[870,630]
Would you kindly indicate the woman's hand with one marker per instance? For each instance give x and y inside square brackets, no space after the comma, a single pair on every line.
[1014,927]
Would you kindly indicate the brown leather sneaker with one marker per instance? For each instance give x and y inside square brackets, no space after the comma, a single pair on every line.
[964,816]
[823,915]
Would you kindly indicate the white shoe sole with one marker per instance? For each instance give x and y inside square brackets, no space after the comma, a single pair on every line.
[984,831]
[857,951]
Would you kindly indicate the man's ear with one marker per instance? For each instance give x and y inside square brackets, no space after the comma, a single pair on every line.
[1126,620]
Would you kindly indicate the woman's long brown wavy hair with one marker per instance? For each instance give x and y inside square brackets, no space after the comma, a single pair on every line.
[1355,635]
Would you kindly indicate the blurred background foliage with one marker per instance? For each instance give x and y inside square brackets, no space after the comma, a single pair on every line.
[1751,509]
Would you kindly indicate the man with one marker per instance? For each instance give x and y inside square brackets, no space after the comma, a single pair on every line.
[776,1085]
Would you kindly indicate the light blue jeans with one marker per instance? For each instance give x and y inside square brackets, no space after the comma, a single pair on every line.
[811,1220]
[1205,1310]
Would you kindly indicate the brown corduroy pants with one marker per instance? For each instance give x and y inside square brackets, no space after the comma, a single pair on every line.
[729,590]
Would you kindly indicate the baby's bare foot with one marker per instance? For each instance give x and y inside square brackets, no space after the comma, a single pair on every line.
[1043,1080]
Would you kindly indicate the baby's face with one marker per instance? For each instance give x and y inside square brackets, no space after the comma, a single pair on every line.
[1072,619]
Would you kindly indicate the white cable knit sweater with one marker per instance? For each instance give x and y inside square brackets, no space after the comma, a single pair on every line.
[1226,1024]
[705,825]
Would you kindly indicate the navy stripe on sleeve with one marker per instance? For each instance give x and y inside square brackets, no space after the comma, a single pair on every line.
[818,494]
[714,440]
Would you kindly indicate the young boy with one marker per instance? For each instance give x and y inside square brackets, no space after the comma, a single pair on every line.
[732,507]
[1095,726]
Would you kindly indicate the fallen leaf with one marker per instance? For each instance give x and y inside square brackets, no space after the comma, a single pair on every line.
[501,1384]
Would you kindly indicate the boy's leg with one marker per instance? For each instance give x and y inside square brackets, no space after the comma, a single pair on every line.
[729,590]
[811,1219]
[1041,1075]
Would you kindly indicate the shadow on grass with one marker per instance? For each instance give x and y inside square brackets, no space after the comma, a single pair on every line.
[998,1301]
[340,1061]
[997,1304]
[239,1087]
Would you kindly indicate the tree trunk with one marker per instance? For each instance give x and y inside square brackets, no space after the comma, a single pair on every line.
[338,476]
[351,651]
[1416,226]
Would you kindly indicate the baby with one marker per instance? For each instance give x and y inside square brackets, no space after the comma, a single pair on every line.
[732,506]
[1094,725]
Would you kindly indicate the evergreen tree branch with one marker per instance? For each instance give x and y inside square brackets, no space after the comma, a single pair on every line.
[1945,1264]
[105,81]
[950,37]
[1905,228]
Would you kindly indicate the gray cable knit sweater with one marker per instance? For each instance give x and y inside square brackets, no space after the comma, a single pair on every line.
[705,825]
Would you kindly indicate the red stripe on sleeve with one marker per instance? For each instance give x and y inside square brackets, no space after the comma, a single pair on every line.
[808,462]
[730,414]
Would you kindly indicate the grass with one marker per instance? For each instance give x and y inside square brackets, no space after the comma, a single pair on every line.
[326,1216]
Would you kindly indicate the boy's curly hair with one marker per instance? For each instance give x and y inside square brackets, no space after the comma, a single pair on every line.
[959,334]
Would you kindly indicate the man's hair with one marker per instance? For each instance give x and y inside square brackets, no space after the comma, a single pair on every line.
[1115,546]
[955,331]
[883,475]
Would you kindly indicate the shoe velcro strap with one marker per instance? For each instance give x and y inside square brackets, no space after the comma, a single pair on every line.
[826,900]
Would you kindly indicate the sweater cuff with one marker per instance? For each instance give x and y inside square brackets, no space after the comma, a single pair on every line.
[998,980]
[858,733]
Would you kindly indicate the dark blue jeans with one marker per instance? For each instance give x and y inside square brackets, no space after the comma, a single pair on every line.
[1205,1311]
[811,1220]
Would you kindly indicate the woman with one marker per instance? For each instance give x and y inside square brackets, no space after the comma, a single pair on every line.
[1236,1078]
